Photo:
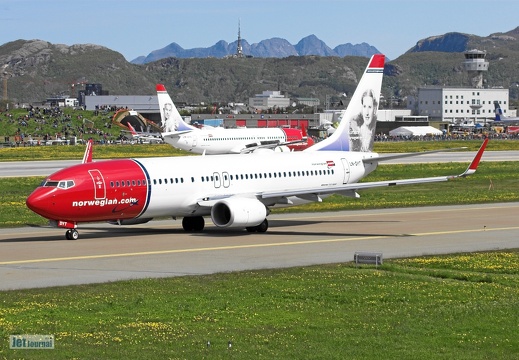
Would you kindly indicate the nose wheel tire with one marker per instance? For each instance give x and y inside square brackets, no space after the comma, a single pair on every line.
[72,234]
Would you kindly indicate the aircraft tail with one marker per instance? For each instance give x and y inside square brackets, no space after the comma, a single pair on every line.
[171,119]
[356,131]
[87,156]
[132,129]
[498,112]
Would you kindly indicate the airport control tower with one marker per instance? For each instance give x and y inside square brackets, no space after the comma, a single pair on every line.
[475,64]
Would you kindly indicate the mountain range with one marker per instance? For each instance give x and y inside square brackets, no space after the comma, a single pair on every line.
[34,70]
[271,48]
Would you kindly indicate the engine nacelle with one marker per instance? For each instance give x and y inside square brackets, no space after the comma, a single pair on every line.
[130,221]
[238,212]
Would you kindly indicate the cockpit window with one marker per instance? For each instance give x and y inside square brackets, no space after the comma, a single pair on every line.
[50,183]
[65,184]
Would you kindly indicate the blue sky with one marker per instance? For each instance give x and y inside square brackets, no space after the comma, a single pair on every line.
[137,27]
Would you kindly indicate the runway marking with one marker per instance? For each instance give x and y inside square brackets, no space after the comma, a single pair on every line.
[234,247]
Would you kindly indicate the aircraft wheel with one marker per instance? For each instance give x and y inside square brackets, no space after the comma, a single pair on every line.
[72,234]
[193,223]
[198,223]
[263,226]
[259,228]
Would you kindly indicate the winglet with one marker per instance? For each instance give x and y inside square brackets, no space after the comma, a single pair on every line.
[475,162]
[87,157]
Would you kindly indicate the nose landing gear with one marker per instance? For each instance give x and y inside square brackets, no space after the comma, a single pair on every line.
[72,234]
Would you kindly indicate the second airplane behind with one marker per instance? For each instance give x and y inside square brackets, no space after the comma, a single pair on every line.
[183,136]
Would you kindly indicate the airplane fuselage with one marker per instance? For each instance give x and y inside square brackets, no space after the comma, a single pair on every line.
[188,186]
[228,141]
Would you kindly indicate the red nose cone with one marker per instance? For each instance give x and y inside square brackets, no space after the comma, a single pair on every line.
[39,202]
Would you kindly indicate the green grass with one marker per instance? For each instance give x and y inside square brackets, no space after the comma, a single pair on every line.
[441,307]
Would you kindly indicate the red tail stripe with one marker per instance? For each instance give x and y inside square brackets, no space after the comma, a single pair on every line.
[377,61]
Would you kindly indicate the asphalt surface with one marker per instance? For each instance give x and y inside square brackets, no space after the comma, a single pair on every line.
[41,257]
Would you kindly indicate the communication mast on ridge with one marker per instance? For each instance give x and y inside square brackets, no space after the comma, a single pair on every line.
[475,64]
[239,49]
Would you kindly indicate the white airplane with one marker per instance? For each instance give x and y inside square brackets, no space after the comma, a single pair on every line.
[217,140]
[234,191]
[501,119]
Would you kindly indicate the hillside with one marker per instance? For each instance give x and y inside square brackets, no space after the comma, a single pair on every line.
[37,69]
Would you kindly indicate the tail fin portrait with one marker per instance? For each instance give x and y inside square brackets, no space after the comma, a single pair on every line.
[171,119]
[356,131]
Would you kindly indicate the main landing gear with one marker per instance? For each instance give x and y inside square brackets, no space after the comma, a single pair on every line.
[193,223]
[72,234]
[197,223]
[261,228]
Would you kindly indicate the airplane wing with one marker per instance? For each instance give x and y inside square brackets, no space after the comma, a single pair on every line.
[350,189]
[381,158]
[268,145]
[314,194]
[262,145]
[174,134]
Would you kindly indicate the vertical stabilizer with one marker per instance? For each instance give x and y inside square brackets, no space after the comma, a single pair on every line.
[498,112]
[171,119]
[356,131]
[87,156]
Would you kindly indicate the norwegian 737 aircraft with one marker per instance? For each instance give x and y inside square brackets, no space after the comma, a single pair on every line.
[236,191]
[217,140]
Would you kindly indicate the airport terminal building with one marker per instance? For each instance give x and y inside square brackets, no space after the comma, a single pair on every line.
[457,104]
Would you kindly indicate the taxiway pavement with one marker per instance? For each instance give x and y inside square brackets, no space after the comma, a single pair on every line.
[41,257]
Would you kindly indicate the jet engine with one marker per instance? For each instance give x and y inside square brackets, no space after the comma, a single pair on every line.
[238,212]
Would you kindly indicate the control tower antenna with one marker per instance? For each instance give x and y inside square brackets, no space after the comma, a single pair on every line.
[239,49]
[475,64]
